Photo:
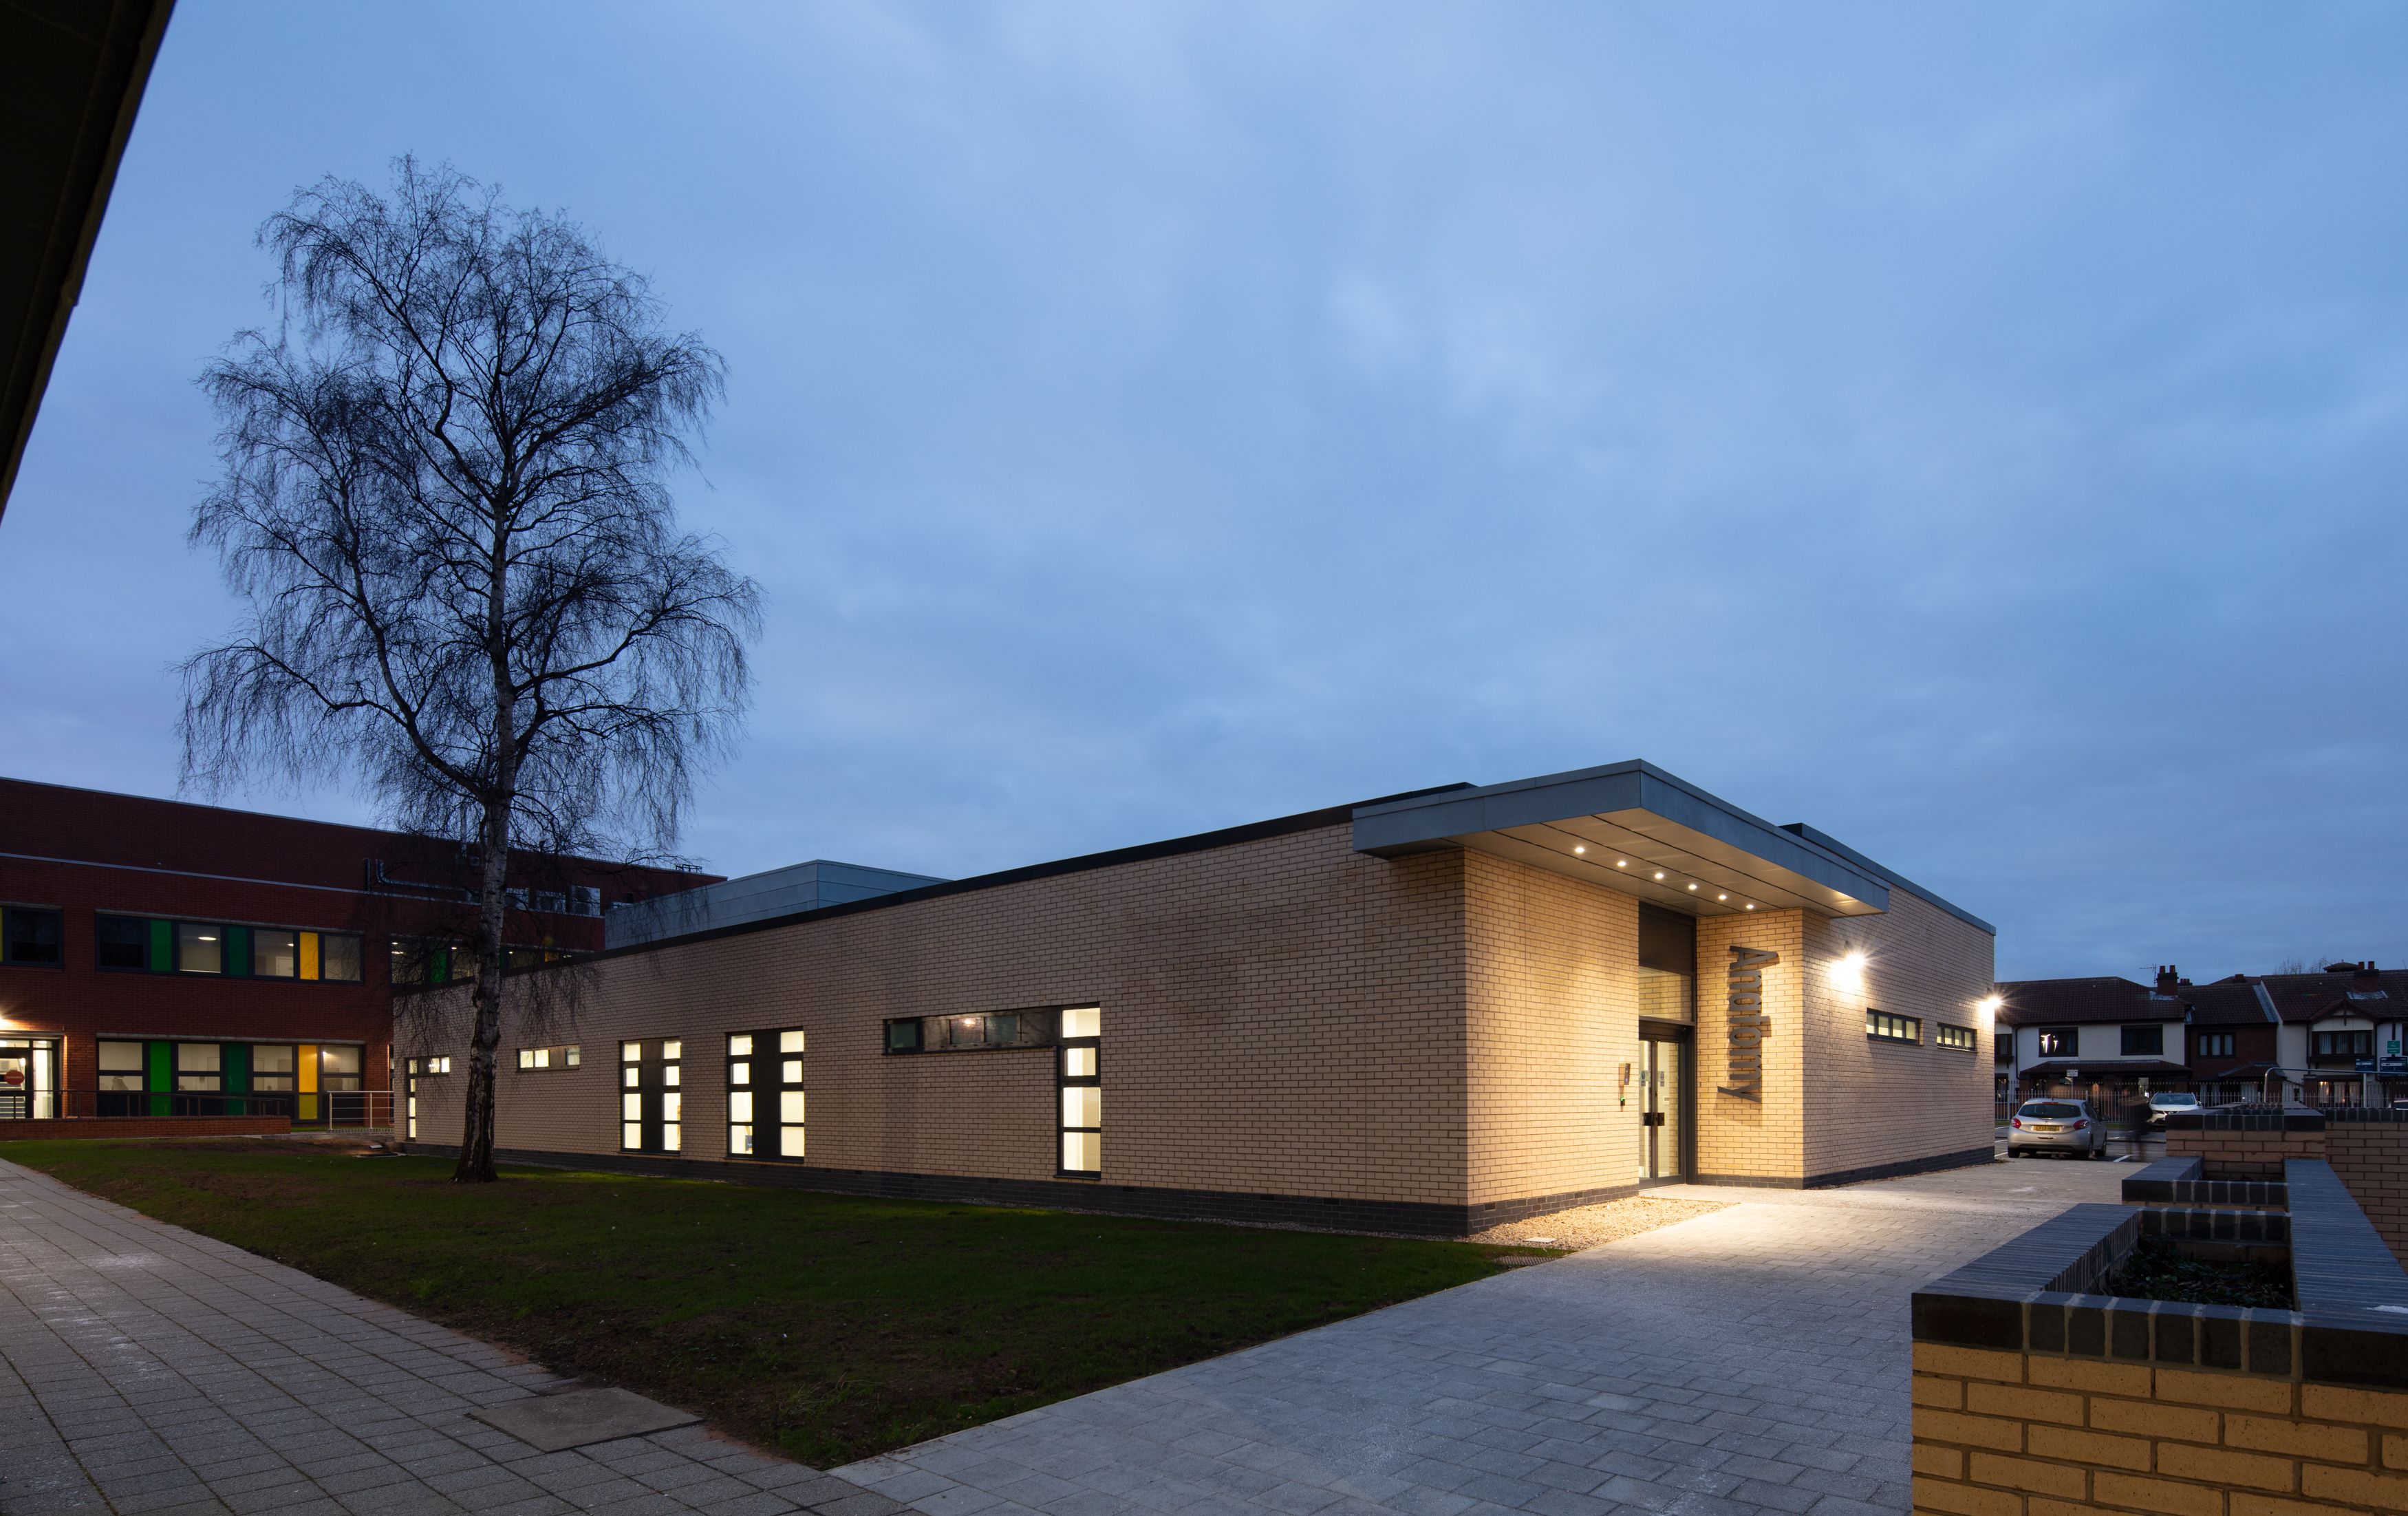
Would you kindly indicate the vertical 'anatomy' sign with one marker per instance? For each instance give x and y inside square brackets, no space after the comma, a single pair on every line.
[1749,1025]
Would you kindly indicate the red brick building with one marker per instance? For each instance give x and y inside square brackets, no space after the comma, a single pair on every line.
[164,960]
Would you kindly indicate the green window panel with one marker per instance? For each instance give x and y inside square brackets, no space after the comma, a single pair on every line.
[235,1067]
[163,947]
[161,1057]
[237,957]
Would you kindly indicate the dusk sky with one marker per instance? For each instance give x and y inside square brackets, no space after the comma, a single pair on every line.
[1978,432]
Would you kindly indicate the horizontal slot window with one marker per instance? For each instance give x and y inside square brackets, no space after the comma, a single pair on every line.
[1960,1038]
[987,1030]
[1887,1026]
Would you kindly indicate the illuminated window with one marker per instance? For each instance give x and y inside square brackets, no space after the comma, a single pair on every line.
[1960,1038]
[1079,1085]
[765,1095]
[200,948]
[272,1066]
[120,1065]
[1882,1026]
[196,1066]
[275,953]
[2059,1042]
[651,1106]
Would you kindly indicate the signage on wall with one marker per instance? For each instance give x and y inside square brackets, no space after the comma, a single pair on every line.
[1747,1021]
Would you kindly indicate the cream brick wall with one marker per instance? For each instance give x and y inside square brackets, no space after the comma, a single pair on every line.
[1870,1102]
[1280,1017]
[1762,1138]
[1552,973]
[2005,1434]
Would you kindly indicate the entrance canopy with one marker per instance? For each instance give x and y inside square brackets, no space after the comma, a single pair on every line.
[1634,827]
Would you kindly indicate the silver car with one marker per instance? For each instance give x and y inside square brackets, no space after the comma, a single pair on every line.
[2056,1126]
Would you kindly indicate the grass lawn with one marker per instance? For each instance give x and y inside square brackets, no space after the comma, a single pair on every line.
[827,1327]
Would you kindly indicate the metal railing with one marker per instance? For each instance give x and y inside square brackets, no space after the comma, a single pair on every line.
[306,1110]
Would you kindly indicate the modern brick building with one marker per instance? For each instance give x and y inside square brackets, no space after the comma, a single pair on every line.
[163,960]
[1422,1013]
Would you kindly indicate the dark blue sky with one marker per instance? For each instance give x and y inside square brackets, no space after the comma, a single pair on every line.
[1978,432]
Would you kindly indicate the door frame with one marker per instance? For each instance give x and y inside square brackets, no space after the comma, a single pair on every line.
[1684,1145]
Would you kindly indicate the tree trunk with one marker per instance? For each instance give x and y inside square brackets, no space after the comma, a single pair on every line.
[494,836]
[477,1122]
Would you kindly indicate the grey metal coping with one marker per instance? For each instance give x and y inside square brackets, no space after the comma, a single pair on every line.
[1426,821]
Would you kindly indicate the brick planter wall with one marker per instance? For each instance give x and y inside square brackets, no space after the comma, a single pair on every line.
[147,1126]
[2034,1396]
[2368,1149]
[2365,1145]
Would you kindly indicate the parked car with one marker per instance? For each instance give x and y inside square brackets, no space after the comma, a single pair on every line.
[2056,1126]
[2165,1103]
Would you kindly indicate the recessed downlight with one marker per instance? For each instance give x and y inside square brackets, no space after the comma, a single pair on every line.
[1722,896]
[1622,863]
[1659,874]
[1692,887]
[1751,905]
[1580,848]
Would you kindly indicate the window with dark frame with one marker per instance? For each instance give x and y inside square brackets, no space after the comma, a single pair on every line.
[1888,1026]
[651,1096]
[33,936]
[2345,1044]
[2213,1044]
[983,1032]
[2144,1042]
[2059,1042]
[156,945]
[1080,1079]
[766,1101]
[1960,1038]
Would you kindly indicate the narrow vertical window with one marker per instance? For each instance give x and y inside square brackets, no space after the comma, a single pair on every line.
[790,1094]
[1079,1084]
[631,1096]
[740,1094]
[672,1099]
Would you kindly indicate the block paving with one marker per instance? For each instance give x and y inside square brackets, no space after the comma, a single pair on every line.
[149,1371]
[1754,1360]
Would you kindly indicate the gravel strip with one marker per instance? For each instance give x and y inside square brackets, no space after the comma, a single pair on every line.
[1587,1226]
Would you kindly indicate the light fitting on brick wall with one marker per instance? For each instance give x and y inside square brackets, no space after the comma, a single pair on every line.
[1848,970]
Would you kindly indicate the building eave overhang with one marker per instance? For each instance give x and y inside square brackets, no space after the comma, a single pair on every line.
[1652,821]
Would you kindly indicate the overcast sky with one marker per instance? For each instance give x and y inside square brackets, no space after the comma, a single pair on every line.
[1978,432]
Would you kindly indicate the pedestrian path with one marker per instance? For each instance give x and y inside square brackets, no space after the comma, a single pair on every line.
[148,1371]
[1751,1361]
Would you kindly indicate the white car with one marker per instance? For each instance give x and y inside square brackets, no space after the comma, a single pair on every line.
[2165,1103]
[2056,1126]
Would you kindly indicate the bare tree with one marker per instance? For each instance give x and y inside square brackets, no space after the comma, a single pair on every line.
[445,508]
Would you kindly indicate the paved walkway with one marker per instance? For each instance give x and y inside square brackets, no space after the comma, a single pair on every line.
[145,1369]
[1751,1361]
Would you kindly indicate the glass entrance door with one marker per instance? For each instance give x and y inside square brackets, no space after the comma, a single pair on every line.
[1662,1123]
[28,1080]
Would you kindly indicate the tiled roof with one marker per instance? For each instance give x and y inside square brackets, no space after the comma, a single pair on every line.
[2226,1003]
[2306,997]
[2032,1003]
